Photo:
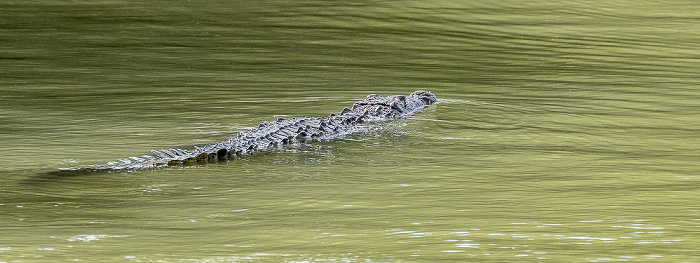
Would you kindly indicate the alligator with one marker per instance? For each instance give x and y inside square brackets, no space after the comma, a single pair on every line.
[272,135]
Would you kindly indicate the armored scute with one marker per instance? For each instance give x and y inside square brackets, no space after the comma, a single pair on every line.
[284,131]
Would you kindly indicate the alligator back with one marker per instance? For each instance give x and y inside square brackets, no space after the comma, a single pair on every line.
[274,134]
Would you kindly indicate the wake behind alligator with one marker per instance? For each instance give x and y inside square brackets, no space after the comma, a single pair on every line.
[270,135]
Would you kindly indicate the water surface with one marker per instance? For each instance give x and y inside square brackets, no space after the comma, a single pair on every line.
[565,131]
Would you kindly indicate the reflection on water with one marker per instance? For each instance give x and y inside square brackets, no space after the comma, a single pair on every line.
[565,131]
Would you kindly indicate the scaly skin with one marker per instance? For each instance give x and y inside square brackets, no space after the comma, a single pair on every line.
[275,134]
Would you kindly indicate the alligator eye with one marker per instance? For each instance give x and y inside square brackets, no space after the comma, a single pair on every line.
[394,105]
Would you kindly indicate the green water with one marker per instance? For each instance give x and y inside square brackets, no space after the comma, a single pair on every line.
[566,131]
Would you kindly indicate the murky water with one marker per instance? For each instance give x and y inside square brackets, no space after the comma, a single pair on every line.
[566,131]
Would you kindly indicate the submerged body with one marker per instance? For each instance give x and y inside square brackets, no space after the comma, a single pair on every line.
[284,131]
